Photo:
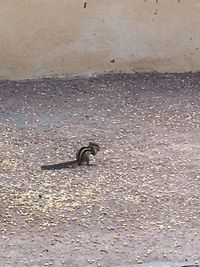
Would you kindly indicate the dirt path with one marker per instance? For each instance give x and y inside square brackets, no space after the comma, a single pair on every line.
[140,202]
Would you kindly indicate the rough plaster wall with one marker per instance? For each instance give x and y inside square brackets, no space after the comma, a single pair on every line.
[41,38]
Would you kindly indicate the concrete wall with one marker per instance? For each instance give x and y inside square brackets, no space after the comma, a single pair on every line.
[42,38]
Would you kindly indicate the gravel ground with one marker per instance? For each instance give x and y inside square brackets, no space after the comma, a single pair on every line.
[138,202]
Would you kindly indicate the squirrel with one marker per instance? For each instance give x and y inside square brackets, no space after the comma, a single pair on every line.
[82,156]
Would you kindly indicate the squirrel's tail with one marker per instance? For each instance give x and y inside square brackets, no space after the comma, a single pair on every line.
[68,164]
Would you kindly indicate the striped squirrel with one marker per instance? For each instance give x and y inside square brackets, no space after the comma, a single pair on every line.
[82,156]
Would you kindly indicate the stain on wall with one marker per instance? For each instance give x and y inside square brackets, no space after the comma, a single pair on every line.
[60,38]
